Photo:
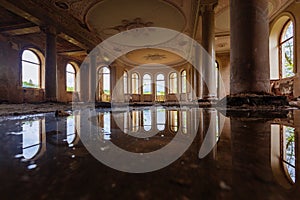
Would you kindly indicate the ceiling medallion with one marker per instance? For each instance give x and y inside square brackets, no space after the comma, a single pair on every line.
[62,5]
[154,56]
[65,5]
[128,25]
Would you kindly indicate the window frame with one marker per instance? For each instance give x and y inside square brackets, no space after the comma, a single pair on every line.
[281,42]
[74,74]
[173,82]
[34,51]
[135,90]
[150,85]
[183,82]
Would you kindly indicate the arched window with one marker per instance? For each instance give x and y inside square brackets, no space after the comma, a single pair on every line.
[173,83]
[288,152]
[104,84]
[183,81]
[160,118]
[147,120]
[135,83]
[31,69]
[125,79]
[70,78]
[147,84]
[160,87]
[286,50]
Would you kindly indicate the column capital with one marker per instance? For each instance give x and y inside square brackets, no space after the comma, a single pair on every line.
[208,5]
[49,30]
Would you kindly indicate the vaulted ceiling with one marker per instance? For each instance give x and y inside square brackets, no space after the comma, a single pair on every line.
[83,24]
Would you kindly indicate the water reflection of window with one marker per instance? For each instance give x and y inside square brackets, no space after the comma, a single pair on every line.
[288,151]
[184,121]
[161,118]
[147,120]
[31,138]
[173,120]
[71,130]
[217,127]
[104,123]
[125,114]
[135,120]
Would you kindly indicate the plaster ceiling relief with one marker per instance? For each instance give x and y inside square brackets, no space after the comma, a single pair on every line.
[222,44]
[152,55]
[110,17]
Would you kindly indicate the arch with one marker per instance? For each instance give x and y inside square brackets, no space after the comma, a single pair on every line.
[31,69]
[173,83]
[147,84]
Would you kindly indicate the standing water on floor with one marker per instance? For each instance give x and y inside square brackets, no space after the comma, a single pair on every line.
[150,153]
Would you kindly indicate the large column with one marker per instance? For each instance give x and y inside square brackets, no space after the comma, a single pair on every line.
[84,82]
[249,56]
[51,67]
[92,76]
[209,88]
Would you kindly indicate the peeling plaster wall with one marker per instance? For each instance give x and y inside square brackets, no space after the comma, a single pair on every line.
[10,90]
[224,74]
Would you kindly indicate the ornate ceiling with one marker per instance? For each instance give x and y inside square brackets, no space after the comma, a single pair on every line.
[83,24]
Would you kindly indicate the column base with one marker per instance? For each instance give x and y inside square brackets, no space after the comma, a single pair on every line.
[253,100]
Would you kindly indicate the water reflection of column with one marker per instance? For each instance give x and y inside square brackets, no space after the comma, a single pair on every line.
[297,147]
[210,132]
[252,172]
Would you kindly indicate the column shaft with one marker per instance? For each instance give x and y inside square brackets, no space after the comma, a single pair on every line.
[209,89]
[92,77]
[249,57]
[51,67]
